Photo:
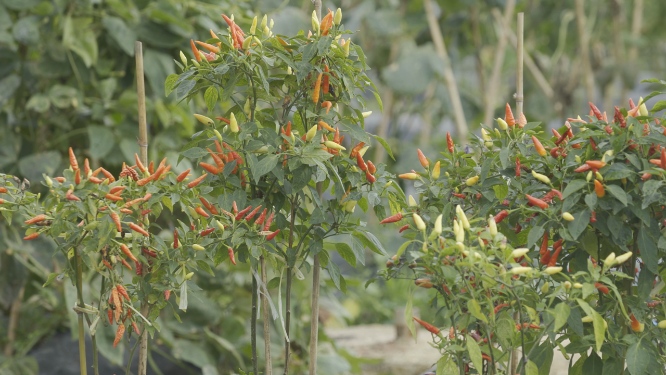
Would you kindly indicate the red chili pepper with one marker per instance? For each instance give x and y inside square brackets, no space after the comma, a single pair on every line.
[403,228]
[553,259]
[127,252]
[167,294]
[500,306]
[596,112]
[593,218]
[545,258]
[119,334]
[361,164]
[232,258]
[243,212]
[449,143]
[207,231]
[197,181]
[501,216]
[124,262]
[603,289]
[261,218]
[392,218]
[554,152]
[596,164]
[422,159]
[599,189]
[356,149]
[593,144]
[326,85]
[138,267]
[646,176]
[372,169]
[138,229]
[371,179]
[537,202]
[72,160]
[582,168]
[36,219]
[272,235]
[461,196]
[123,292]
[427,326]
[268,222]
[517,166]
[31,236]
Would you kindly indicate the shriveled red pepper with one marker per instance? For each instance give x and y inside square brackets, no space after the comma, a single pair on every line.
[119,335]
[403,228]
[619,118]
[461,196]
[449,143]
[596,112]
[517,166]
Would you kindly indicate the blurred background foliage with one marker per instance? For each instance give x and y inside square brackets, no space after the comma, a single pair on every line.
[67,79]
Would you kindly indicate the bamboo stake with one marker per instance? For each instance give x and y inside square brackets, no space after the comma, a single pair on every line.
[531,66]
[143,148]
[585,50]
[519,64]
[14,313]
[268,361]
[494,84]
[436,34]
[636,22]
[476,35]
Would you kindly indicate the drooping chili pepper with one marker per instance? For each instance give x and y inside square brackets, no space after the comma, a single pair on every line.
[449,143]
[119,334]
[372,169]
[517,166]
[167,294]
[127,252]
[116,220]
[326,84]
[201,211]
[422,159]
[31,236]
[317,86]
[138,267]
[197,181]
[538,146]
[209,168]
[501,216]
[72,160]
[599,189]
[596,164]
[596,112]
[429,327]
[500,306]
[403,228]
[123,291]
[138,229]
[107,264]
[593,218]
[371,179]
[603,289]
[361,164]
[392,218]
[537,202]
[124,262]
[554,152]
[272,235]
[117,303]
[461,196]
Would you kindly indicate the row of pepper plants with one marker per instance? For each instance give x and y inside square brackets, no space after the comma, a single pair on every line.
[531,241]
[276,183]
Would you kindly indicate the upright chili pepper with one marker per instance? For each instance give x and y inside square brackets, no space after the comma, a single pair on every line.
[267,226]
[596,112]
[538,146]
[544,244]
[553,258]
[326,85]
[619,118]
[545,258]
[72,160]
[261,218]
[317,86]
[508,116]
[422,159]
[449,143]
[253,213]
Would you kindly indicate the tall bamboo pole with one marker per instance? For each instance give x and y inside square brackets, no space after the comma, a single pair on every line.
[494,83]
[519,63]
[314,306]
[143,148]
[440,47]
[584,39]
[268,361]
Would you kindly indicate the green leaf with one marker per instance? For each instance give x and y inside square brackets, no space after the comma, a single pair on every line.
[618,193]
[573,187]
[505,329]
[205,267]
[210,97]
[385,145]
[355,131]
[32,166]
[501,191]
[368,239]
[561,314]
[637,358]
[446,366]
[474,352]
[597,321]
[358,249]
[379,101]
[8,85]
[531,368]
[658,106]
[475,309]
[79,37]
[580,222]
[50,279]
[535,235]
[123,35]
[101,141]
[334,272]
[264,166]
[613,366]
[346,253]
[167,202]
[648,248]
[403,247]
[195,153]
[593,365]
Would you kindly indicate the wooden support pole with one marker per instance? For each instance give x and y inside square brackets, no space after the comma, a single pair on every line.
[519,65]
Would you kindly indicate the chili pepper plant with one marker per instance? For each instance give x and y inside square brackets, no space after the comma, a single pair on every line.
[531,240]
[282,147]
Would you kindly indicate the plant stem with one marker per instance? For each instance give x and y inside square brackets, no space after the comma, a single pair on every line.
[268,367]
[129,360]
[253,325]
[289,274]
[13,322]
[79,294]
[314,316]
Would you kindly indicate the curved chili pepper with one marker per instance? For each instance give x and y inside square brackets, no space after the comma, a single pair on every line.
[272,235]
[536,202]
[427,326]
